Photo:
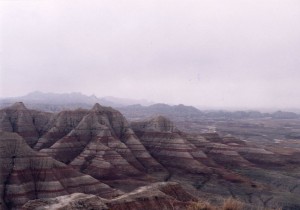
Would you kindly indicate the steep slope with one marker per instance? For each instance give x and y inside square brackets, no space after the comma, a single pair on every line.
[27,123]
[27,174]
[205,162]
[101,144]
[202,158]
[59,126]
[164,141]
[250,173]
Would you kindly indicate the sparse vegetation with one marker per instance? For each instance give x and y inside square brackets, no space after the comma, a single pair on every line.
[232,204]
[201,206]
[229,204]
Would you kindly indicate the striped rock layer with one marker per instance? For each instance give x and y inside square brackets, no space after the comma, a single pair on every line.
[27,174]
[100,143]
[164,142]
[27,123]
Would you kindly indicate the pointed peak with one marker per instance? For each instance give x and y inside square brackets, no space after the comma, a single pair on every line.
[97,107]
[18,106]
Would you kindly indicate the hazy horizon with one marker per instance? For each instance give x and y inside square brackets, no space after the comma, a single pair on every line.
[144,102]
[231,54]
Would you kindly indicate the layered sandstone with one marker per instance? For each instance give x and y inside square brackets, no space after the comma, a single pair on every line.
[59,126]
[27,174]
[27,123]
[164,142]
[102,144]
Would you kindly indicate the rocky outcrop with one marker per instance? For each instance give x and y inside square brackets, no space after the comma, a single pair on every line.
[164,142]
[201,156]
[99,142]
[156,196]
[59,126]
[27,174]
[27,123]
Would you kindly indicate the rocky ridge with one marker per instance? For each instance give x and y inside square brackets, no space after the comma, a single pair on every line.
[27,174]
[101,143]
[28,123]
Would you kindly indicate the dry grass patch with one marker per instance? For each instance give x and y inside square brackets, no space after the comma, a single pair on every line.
[232,204]
[229,204]
[201,206]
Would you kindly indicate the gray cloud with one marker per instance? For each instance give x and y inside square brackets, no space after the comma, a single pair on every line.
[211,53]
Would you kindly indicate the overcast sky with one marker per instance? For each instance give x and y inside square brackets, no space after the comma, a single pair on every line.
[220,53]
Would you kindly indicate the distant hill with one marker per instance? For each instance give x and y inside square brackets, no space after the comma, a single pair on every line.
[176,111]
[127,101]
[132,108]
[250,115]
[55,102]
[183,112]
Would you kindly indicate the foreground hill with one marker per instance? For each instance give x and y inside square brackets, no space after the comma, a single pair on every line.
[27,174]
[101,143]
[28,123]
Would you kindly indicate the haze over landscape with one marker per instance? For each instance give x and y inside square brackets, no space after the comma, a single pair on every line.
[133,105]
[224,54]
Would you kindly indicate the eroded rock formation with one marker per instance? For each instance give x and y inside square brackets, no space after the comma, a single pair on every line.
[101,143]
[28,123]
[165,142]
[27,174]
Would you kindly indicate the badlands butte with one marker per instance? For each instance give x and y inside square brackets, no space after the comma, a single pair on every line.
[96,159]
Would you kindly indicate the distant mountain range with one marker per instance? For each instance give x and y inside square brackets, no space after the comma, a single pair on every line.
[251,115]
[171,111]
[132,108]
[55,102]
[182,112]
